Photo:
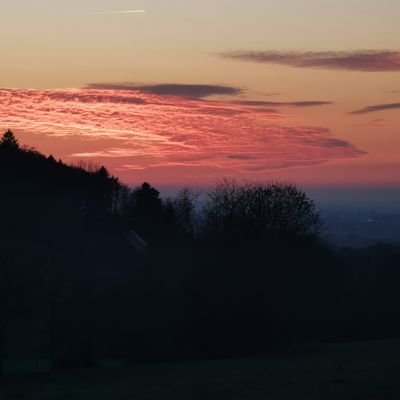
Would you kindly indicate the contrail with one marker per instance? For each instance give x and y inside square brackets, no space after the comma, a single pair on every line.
[119,12]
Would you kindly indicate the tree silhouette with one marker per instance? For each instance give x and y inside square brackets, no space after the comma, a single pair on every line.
[9,141]
[144,210]
[146,199]
[259,211]
[184,207]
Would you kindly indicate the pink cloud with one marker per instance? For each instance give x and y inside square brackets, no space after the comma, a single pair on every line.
[132,130]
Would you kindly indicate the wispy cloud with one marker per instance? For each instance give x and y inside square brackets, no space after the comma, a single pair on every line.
[149,131]
[311,103]
[361,60]
[376,108]
[173,89]
[375,123]
[118,12]
[198,91]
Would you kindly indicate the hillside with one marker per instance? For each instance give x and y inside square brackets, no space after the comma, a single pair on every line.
[242,274]
[63,253]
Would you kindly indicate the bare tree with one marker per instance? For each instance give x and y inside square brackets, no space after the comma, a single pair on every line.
[257,211]
[185,210]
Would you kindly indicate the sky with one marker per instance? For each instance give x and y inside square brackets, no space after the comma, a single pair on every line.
[183,92]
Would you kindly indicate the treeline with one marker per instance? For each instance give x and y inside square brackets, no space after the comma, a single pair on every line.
[229,213]
[237,270]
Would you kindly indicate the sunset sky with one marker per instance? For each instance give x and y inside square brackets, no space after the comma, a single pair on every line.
[182,92]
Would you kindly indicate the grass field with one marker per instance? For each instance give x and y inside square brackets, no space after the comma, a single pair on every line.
[359,371]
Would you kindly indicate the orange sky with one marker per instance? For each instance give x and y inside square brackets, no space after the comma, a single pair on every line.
[296,90]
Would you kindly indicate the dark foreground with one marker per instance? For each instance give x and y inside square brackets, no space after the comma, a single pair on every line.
[369,370]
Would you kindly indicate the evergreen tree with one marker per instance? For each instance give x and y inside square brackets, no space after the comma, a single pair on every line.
[145,210]
[9,141]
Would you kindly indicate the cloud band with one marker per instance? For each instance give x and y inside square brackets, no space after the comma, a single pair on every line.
[361,60]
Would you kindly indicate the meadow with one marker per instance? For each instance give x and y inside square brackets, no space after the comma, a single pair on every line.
[363,370]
